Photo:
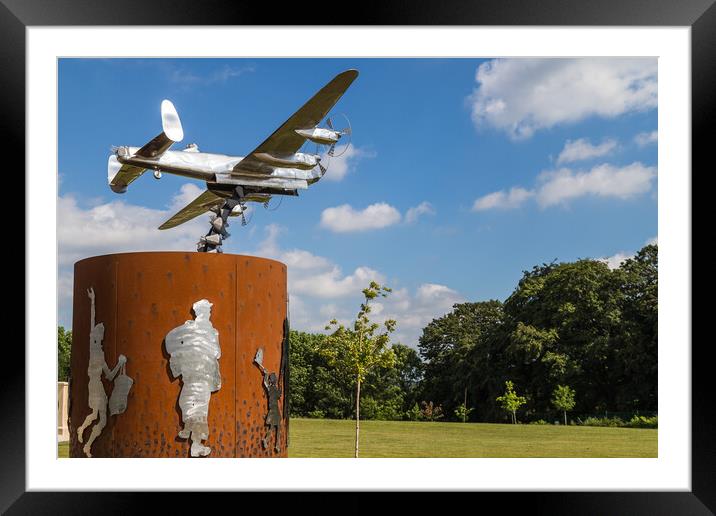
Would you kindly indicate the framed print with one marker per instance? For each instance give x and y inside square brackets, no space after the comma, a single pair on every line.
[604,104]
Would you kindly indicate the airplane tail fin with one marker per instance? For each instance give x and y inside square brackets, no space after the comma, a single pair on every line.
[121,175]
[171,125]
[172,132]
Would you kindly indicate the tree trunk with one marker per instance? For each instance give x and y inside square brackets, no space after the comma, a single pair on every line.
[464,406]
[357,417]
[565,418]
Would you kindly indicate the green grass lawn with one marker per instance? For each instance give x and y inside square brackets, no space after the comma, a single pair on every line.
[334,438]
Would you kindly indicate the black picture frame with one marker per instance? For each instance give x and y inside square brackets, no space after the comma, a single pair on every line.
[700,15]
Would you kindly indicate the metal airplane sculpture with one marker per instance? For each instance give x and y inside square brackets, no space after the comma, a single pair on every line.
[276,167]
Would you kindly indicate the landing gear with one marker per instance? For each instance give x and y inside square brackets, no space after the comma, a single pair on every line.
[211,242]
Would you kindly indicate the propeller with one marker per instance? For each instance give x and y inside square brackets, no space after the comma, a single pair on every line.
[346,131]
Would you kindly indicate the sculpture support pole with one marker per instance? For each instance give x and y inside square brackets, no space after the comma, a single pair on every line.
[211,242]
[140,298]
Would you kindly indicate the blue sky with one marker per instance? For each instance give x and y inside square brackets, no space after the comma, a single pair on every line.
[470,171]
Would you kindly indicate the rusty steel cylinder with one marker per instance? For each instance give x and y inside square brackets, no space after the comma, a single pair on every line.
[139,298]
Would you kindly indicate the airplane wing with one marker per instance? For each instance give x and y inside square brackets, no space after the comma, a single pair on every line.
[285,140]
[201,204]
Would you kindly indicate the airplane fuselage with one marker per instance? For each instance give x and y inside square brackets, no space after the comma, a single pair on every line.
[221,168]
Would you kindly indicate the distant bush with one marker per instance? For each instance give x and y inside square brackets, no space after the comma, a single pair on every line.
[316,414]
[539,422]
[414,414]
[643,422]
[431,412]
[603,421]
[634,422]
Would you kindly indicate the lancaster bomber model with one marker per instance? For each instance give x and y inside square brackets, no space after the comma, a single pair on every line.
[276,167]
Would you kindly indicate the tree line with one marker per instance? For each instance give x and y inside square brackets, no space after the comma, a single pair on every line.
[572,334]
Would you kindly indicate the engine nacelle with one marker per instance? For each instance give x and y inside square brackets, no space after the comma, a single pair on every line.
[320,135]
[298,160]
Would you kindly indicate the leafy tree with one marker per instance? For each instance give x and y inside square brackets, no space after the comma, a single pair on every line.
[408,369]
[355,351]
[510,401]
[563,399]
[431,412]
[315,387]
[456,349]
[637,350]
[462,412]
[64,351]
[562,326]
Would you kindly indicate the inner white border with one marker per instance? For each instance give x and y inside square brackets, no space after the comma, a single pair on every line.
[670,471]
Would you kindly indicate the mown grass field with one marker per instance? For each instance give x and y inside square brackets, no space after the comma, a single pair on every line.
[334,438]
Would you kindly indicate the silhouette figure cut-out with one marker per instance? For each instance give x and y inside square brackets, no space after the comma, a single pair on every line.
[194,355]
[97,397]
[273,392]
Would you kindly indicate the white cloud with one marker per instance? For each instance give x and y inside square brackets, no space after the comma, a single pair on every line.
[328,311]
[118,226]
[184,77]
[502,200]
[562,185]
[414,311]
[521,96]
[332,283]
[300,259]
[605,180]
[344,161]
[311,275]
[424,208]
[344,218]
[582,149]
[648,138]
[614,261]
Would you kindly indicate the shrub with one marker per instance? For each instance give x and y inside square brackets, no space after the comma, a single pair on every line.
[388,411]
[634,422]
[539,422]
[603,421]
[368,408]
[643,422]
[316,414]
[431,412]
[462,412]
[414,414]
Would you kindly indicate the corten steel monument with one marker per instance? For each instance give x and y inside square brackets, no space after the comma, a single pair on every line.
[141,298]
[185,354]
